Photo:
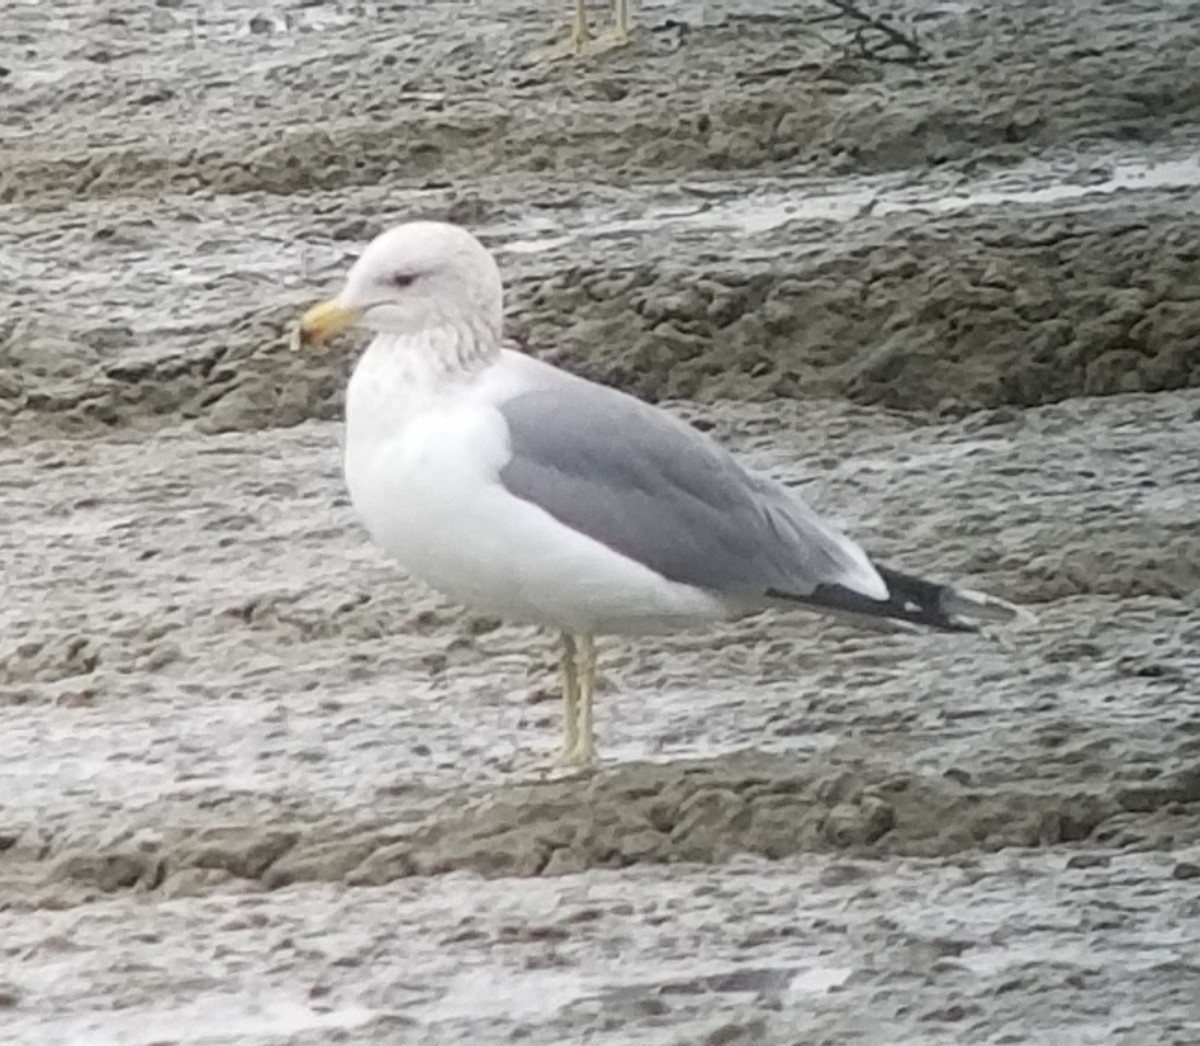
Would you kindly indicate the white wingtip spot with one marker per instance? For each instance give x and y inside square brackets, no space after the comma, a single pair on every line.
[992,607]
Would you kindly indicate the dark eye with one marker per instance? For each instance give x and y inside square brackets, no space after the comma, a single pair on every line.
[401,279]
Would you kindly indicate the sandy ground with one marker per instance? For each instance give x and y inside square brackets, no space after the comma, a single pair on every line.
[258,788]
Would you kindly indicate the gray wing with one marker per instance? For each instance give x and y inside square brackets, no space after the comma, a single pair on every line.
[654,489]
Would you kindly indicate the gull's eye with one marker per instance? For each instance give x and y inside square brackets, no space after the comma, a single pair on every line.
[401,279]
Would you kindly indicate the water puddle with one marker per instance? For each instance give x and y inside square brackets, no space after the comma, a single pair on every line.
[211,1020]
[770,207]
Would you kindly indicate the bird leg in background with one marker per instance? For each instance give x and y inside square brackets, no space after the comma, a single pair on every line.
[580,40]
[580,35]
[575,44]
[619,36]
[584,754]
[570,693]
[621,25]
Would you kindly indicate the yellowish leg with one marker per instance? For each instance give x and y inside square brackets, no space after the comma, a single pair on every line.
[619,36]
[580,34]
[578,671]
[584,753]
[621,24]
[570,693]
[575,44]
[581,40]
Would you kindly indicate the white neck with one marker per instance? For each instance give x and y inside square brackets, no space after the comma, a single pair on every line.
[402,375]
[448,347]
[416,363]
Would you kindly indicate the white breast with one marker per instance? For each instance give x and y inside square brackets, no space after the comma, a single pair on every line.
[424,450]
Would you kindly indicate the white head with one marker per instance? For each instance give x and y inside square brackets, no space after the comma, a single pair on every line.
[412,278]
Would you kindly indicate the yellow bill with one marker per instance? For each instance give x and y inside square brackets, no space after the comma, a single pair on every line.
[323,321]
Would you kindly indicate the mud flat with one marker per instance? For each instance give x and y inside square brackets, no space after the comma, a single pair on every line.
[745,209]
[258,788]
[229,706]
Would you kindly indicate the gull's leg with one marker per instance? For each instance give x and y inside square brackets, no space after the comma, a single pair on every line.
[575,44]
[621,25]
[619,35]
[580,35]
[584,754]
[570,694]
[578,669]
[581,41]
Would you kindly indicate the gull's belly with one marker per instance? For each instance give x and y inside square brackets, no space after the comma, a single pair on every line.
[433,501]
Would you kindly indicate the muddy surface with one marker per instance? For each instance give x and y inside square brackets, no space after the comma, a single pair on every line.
[258,788]
[218,690]
[747,208]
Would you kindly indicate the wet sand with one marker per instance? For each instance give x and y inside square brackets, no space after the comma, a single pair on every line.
[259,788]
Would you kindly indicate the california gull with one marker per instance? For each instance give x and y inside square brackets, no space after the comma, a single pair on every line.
[538,497]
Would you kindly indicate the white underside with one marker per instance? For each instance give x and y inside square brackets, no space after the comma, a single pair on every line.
[423,455]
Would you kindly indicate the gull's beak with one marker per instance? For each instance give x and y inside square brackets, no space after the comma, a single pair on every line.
[325,320]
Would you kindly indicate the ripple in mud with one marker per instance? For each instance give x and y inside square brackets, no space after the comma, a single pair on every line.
[200,622]
[967,311]
[1015,305]
[750,89]
[697,812]
[975,311]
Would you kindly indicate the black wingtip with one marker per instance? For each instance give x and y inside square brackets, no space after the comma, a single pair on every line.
[915,601]
[921,602]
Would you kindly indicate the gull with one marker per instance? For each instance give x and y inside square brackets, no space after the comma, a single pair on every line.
[535,496]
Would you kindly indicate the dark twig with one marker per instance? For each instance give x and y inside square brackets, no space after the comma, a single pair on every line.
[916,53]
